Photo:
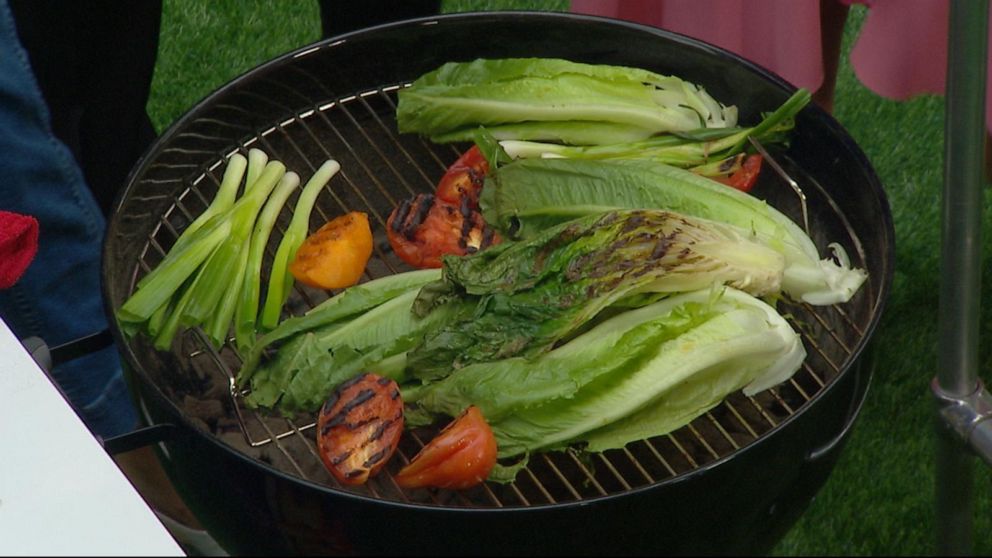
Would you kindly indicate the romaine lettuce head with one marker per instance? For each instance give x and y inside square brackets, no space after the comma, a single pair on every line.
[527,196]
[521,298]
[450,102]
[733,342]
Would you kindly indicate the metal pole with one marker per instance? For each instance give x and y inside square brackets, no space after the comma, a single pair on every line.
[960,278]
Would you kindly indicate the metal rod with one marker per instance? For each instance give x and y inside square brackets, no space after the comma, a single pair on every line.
[962,200]
[784,176]
[954,498]
[960,273]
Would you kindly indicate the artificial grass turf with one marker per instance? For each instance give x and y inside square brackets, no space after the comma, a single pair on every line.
[879,499]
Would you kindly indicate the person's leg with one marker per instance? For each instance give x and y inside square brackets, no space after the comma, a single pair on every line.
[833,16]
[94,63]
[988,156]
[342,16]
[59,298]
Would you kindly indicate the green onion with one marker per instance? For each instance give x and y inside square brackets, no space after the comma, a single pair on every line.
[696,149]
[219,322]
[210,277]
[223,201]
[163,281]
[217,271]
[256,164]
[246,313]
[170,325]
[280,279]
[194,245]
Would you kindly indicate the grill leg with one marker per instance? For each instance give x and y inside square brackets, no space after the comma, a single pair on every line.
[960,273]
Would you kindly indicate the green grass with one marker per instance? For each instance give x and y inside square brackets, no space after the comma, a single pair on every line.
[879,499]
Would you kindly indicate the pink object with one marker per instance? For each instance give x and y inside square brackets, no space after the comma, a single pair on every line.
[782,36]
[900,51]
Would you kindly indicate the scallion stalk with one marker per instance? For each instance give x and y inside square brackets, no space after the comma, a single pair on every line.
[170,325]
[219,322]
[280,279]
[173,271]
[246,313]
[193,246]
[257,160]
[223,200]
[218,268]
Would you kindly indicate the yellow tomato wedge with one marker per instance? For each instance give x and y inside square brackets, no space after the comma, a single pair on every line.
[335,256]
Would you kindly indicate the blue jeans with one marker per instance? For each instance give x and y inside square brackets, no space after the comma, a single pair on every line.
[59,297]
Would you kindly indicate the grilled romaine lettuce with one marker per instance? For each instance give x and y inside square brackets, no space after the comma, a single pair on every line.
[515,299]
[523,297]
[524,197]
[554,99]
[641,373]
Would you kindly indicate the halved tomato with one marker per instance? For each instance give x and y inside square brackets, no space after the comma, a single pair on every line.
[422,229]
[464,179]
[461,456]
[359,427]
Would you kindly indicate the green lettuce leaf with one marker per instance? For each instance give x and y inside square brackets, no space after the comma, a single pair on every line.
[308,345]
[527,196]
[460,96]
[744,344]
[520,298]
[503,387]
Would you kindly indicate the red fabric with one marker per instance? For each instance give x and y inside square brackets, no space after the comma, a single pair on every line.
[18,245]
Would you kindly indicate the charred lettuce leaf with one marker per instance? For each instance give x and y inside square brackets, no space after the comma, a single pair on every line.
[519,299]
[639,374]
[525,197]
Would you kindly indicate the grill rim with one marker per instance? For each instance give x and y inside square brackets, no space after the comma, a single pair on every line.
[882,287]
[769,437]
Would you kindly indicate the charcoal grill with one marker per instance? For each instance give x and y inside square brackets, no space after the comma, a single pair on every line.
[732,481]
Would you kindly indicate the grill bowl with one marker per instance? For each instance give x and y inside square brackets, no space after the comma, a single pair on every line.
[733,481]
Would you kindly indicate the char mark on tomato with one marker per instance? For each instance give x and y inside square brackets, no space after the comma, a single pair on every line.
[410,215]
[359,427]
[464,179]
[423,229]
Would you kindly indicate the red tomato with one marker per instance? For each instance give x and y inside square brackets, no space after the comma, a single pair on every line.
[425,228]
[359,427]
[460,456]
[744,178]
[464,178]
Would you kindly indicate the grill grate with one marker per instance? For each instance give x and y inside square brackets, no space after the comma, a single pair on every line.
[381,168]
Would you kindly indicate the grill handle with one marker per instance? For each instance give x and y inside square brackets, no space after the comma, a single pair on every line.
[139,438]
[48,357]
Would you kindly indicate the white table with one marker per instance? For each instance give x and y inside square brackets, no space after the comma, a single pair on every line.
[60,492]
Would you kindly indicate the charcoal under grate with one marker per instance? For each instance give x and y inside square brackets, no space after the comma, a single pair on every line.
[380,168]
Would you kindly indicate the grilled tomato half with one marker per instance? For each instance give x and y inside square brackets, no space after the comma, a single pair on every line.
[359,427]
[461,456]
